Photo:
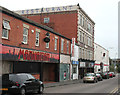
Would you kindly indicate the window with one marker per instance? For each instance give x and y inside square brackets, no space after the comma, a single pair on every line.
[56,40]
[83,37]
[89,27]
[37,39]
[83,22]
[62,45]
[47,45]
[46,20]
[80,35]
[6,28]
[67,47]
[25,35]
[79,52]
[74,69]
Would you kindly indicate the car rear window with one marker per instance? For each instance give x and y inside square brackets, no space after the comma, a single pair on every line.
[89,74]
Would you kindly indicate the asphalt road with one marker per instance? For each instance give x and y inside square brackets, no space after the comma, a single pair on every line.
[105,86]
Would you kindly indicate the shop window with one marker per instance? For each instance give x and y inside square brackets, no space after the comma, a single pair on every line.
[37,39]
[74,69]
[6,28]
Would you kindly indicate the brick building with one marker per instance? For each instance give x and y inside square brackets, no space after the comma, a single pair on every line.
[29,47]
[72,22]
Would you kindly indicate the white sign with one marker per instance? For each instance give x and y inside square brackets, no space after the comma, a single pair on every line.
[82,64]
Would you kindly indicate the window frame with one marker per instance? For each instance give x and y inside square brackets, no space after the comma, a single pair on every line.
[56,42]
[26,35]
[67,47]
[6,28]
[62,45]
[37,38]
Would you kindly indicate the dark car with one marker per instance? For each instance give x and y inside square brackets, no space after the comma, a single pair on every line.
[99,77]
[105,75]
[21,83]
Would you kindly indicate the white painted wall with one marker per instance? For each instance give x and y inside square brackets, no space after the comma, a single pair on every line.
[75,58]
[98,56]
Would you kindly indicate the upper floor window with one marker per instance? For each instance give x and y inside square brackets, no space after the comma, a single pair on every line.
[47,45]
[67,47]
[25,35]
[56,41]
[46,20]
[6,28]
[62,45]
[37,39]
[89,27]
[83,22]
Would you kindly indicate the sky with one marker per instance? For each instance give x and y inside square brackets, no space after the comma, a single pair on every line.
[103,12]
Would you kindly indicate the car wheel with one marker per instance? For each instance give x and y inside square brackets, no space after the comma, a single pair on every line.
[41,89]
[84,81]
[22,91]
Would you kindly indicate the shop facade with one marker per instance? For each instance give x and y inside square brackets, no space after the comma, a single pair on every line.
[65,67]
[43,65]
[85,66]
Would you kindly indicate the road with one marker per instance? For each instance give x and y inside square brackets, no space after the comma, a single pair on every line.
[105,86]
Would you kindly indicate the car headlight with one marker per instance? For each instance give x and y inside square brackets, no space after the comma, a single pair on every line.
[41,82]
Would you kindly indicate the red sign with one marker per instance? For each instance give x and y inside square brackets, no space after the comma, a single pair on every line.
[14,53]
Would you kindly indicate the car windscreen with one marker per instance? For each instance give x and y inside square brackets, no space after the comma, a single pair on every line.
[18,78]
[89,74]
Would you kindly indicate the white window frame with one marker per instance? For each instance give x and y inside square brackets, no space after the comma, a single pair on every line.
[62,45]
[67,47]
[6,28]
[37,44]
[46,20]
[47,45]
[56,42]
[26,35]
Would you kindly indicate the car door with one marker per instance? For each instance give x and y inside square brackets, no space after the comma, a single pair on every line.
[34,83]
[28,83]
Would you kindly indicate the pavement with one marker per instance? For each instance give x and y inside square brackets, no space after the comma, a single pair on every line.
[47,85]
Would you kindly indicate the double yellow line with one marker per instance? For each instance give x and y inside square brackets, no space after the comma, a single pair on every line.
[113,91]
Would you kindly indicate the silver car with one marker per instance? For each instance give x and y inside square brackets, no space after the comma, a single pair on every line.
[90,77]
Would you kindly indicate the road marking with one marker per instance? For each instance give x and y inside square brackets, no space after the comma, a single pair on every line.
[113,91]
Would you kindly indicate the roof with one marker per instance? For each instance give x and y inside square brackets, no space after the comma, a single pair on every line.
[13,14]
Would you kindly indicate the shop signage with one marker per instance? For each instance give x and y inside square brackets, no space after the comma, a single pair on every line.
[75,62]
[19,54]
[82,64]
[47,10]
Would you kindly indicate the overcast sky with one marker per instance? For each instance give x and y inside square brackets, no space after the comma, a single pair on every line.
[103,12]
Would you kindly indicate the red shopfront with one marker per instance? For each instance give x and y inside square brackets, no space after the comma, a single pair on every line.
[43,65]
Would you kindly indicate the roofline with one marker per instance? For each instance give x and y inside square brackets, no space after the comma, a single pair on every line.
[85,13]
[11,13]
[101,46]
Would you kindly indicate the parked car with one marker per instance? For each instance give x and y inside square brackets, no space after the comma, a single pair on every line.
[113,74]
[21,83]
[99,77]
[105,75]
[90,77]
[110,74]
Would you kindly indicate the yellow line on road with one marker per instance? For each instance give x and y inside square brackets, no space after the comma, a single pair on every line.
[114,90]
